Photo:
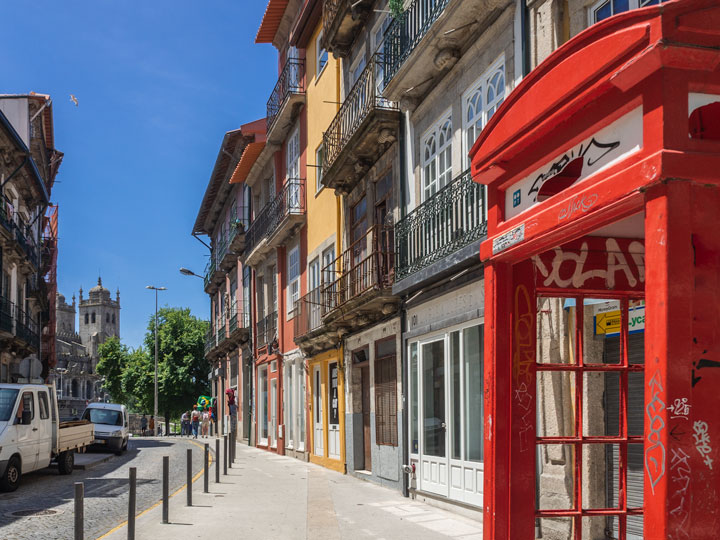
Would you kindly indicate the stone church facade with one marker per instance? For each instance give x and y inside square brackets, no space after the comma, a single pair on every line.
[98,318]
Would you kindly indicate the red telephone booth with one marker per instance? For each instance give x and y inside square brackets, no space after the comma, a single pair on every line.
[602,285]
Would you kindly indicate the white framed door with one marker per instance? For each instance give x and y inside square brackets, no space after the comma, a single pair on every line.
[318,448]
[434,462]
[300,408]
[333,412]
[273,413]
[263,405]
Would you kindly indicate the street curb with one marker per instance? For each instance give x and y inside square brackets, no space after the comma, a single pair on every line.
[87,466]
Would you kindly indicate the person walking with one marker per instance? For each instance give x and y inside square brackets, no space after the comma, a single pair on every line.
[143,424]
[152,425]
[195,419]
[205,423]
[185,424]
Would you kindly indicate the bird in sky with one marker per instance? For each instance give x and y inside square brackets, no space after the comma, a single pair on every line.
[74,99]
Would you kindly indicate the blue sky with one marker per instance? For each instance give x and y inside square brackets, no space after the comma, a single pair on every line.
[158,84]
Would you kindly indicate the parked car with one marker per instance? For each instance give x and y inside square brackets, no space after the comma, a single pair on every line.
[31,435]
[112,425]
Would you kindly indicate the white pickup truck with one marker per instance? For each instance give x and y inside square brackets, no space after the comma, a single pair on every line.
[31,436]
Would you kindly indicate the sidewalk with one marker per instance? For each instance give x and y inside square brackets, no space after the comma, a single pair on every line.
[265,496]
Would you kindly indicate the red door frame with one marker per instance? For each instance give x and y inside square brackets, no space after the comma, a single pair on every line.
[652,60]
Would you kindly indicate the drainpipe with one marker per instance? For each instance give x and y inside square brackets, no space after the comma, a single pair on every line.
[525,29]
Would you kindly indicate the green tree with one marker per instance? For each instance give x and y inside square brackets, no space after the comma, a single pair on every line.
[182,369]
[113,361]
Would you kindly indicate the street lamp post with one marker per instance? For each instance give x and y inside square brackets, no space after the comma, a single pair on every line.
[61,371]
[156,289]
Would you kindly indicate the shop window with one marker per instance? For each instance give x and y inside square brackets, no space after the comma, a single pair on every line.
[414,441]
[705,122]
[386,393]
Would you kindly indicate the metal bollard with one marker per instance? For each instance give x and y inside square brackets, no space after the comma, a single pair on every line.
[166,487]
[131,503]
[189,476]
[225,454]
[217,461]
[211,429]
[79,511]
[207,479]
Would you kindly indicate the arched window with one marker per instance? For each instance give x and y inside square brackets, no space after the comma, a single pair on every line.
[113,318]
[107,317]
[86,318]
[495,91]
[93,317]
[437,157]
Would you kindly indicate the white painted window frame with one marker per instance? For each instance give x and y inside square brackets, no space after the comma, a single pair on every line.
[319,49]
[434,131]
[292,297]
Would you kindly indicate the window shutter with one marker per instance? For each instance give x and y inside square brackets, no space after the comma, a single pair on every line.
[386,401]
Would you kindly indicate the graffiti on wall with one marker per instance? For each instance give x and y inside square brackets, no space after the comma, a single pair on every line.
[523,359]
[680,473]
[680,408]
[593,263]
[655,448]
[702,441]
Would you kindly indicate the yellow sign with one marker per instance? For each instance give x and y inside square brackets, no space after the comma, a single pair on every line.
[607,323]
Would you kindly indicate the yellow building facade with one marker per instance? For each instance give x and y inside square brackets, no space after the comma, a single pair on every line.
[324,358]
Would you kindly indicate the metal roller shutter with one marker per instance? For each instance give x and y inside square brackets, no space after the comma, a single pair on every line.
[636,403]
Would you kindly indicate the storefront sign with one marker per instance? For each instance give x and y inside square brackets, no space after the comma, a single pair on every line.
[593,263]
[608,323]
[602,149]
[510,238]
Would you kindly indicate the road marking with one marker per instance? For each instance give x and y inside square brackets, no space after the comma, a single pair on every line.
[196,477]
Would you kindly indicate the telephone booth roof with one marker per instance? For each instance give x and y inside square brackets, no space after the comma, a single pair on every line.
[608,114]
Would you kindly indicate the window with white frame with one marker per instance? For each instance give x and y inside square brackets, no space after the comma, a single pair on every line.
[321,56]
[607,8]
[319,157]
[357,69]
[314,274]
[378,45]
[328,256]
[480,102]
[293,280]
[436,151]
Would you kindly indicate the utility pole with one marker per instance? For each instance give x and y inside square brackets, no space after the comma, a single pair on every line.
[156,289]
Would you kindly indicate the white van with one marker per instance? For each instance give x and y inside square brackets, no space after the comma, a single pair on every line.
[112,426]
[31,436]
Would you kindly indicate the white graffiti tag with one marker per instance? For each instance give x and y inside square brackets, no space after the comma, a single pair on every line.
[655,449]
[680,477]
[680,408]
[702,441]
[617,261]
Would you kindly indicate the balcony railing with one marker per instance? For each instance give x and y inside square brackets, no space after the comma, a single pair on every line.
[266,329]
[366,265]
[330,12]
[21,232]
[26,327]
[291,81]
[220,332]
[309,311]
[6,315]
[450,220]
[406,31]
[209,340]
[362,99]
[209,270]
[239,320]
[290,201]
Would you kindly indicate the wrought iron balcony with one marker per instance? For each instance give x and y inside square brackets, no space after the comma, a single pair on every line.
[239,327]
[209,341]
[19,233]
[26,328]
[407,30]
[361,275]
[309,312]
[276,221]
[363,128]
[286,98]
[342,21]
[6,315]
[209,272]
[266,329]
[237,236]
[220,334]
[449,220]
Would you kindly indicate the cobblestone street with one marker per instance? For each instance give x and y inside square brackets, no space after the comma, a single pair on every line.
[106,491]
